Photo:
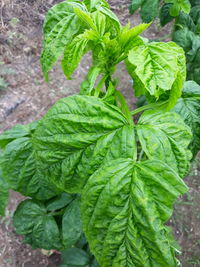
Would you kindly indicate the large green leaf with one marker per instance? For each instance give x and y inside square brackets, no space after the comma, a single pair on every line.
[124,206]
[20,169]
[165,136]
[31,219]
[77,135]
[60,26]
[155,68]
[4,194]
[188,107]
[71,224]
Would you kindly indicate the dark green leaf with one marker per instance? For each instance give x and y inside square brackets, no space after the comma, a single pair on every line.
[165,16]
[71,224]
[135,4]
[165,136]
[191,89]
[149,10]
[188,108]
[124,206]
[19,168]
[59,202]
[31,219]
[4,194]
[75,257]
[77,135]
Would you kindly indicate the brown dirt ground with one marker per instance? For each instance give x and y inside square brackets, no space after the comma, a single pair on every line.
[28,97]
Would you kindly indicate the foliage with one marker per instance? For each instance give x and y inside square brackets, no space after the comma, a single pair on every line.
[87,166]
[149,9]
[186,31]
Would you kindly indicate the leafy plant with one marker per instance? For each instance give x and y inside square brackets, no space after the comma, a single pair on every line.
[89,166]
[186,28]
[150,9]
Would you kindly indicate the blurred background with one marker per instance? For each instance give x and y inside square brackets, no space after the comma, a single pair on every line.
[24,97]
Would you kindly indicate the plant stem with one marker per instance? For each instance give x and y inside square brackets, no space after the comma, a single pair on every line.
[150,106]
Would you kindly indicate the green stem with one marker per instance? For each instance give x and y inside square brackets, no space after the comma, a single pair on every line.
[150,106]
[124,106]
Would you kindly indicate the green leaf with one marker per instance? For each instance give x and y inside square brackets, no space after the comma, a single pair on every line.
[75,257]
[165,136]
[188,108]
[4,194]
[165,16]
[17,132]
[94,4]
[106,11]
[71,224]
[31,219]
[59,202]
[73,54]
[77,135]
[155,67]
[135,4]
[19,168]
[191,89]
[128,35]
[124,206]
[149,10]
[180,5]
[60,27]
[89,83]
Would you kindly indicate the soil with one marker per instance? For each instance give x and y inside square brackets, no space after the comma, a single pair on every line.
[27,98]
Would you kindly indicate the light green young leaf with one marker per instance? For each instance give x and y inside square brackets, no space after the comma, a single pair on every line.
[86,18]
[71,224]
[107,12]
[19,168]
[73,54]
[31,219]
[124,206]
[4,194]
[79,134]
[60,26]
[88,84]
[165,136]
[94,4]
[99,21]
[155,67]
[128,35]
